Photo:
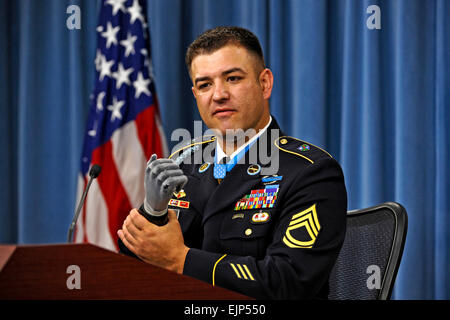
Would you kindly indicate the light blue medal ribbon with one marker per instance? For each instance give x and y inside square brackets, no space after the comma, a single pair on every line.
[220,170]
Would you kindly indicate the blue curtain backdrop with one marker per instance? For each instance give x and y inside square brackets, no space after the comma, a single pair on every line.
[377,99]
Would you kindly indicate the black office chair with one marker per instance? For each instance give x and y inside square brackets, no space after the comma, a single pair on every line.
[369,259]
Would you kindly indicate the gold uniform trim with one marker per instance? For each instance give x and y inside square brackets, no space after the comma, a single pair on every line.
[283,139]
[214,270]
[242,271]
[192,144]
[308,220]
[236,271]
[248,272]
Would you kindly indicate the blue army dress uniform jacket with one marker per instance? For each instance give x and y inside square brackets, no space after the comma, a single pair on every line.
[268,237]
[271,236]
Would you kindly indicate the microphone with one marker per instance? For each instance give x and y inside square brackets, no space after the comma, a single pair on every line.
[93,173]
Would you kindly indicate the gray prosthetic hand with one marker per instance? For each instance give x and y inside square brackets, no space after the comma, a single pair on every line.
[162,178]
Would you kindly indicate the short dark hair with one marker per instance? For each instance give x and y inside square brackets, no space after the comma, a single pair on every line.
[214,39]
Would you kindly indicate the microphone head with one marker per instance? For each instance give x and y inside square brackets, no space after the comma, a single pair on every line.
[95,171]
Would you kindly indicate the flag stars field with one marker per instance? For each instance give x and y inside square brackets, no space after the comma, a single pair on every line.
[115,109]
[141,85]
[129,44]
[122,75]
[116,5]
[135,12]
[110,34]
[105,67]
[100,97]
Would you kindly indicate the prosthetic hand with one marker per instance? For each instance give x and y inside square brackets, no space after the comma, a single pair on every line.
[162,178]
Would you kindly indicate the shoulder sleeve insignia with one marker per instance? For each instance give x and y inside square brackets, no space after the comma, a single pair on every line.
[303,229]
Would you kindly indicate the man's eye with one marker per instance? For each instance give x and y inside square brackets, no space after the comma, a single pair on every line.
[234,78]
[203,85]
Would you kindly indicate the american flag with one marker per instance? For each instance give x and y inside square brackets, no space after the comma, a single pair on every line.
[123,128]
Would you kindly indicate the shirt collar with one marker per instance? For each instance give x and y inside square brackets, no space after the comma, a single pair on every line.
[220,154]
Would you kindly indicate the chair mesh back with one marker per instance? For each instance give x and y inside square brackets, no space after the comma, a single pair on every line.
[368,242]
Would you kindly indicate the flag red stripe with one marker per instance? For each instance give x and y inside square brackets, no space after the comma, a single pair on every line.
[112,189]
[148,133]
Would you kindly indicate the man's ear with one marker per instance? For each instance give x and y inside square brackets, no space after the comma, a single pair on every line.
[266,82]
[193,92]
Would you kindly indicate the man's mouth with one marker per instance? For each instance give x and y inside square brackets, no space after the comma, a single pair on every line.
[223,111]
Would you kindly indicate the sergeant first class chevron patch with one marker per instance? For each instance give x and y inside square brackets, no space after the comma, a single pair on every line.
[303,229]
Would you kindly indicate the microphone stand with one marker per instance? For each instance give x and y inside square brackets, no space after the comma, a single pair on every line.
[93,173]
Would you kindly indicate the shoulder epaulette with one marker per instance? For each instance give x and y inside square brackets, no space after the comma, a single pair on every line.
[181,153]
[300,148]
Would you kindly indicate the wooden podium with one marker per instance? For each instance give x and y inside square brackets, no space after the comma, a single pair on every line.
[49,272]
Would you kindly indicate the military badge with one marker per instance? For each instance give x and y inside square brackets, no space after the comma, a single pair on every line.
[304,147]
[260,217]
[303,229]
[271,179]
[259,199]
[204,167]
[180,194]
[179,203]
[237,216]
[254,169]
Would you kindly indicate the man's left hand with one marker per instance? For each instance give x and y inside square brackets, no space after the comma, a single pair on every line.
[162,246]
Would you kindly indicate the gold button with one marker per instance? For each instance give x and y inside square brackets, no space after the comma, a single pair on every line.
[248,232]
[283,141]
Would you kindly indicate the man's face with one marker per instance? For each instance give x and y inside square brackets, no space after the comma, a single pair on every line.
[231,91]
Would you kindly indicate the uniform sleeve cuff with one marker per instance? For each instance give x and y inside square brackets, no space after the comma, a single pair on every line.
[201,264]
[152,212]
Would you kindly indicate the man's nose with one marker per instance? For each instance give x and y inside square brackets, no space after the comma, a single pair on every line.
[220,91]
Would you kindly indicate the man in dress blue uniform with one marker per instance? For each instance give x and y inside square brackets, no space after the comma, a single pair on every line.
[269,227]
